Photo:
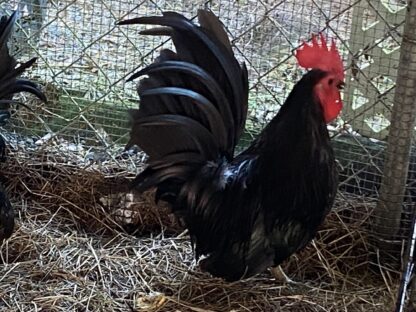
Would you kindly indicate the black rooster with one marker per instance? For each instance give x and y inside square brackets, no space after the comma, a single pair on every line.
[9,85]
[251,211]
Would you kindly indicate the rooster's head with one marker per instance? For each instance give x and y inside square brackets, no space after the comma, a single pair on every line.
[319,56]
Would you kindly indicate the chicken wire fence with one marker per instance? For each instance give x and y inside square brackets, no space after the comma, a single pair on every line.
[84,59]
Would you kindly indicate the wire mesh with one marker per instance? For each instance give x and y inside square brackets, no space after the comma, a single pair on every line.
[84,59]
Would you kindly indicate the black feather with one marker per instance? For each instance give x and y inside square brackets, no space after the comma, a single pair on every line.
[9,71]
[203,105]
[156,31]
[188,135]
[6,215]
[212,25]
[177,158]
[178,172]
[214,90]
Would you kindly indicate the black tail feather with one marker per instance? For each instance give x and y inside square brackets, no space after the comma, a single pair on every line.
[211,24]
[9,72]
[201,76]
[156,31]
[205,65]
[6,27]
[149,177]
[193,102]
[177,159]
[155,135]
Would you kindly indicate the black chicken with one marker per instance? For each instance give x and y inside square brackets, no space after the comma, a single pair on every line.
[9,85]
[251,211]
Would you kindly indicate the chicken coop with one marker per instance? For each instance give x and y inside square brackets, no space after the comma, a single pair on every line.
[84,241]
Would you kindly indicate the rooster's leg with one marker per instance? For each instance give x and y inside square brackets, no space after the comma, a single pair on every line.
[280,276]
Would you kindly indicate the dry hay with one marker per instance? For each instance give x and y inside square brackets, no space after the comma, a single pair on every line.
[92,187]
[69,253]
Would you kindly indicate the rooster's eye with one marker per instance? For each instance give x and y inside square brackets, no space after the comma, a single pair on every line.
[330,81]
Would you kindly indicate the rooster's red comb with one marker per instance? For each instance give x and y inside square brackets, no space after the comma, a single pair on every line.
[319,56]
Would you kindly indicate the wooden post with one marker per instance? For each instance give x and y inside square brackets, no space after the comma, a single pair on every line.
[403,116]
